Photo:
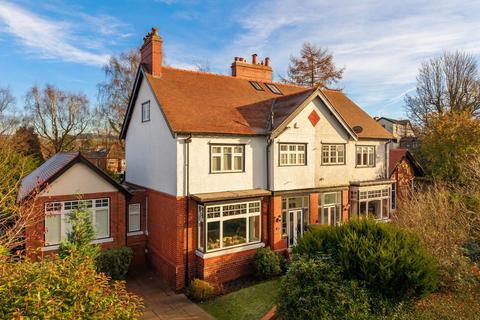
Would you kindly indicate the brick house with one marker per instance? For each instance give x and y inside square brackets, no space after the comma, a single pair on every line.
[229,164]
[68,180]
[404,168]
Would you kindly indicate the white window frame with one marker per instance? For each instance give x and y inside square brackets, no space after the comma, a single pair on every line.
[130,214]
[331,150]
[221,155]
[223,208]
[291,156]
[146,111]
[59,209]
[368,150]
[365,196]
[337,206]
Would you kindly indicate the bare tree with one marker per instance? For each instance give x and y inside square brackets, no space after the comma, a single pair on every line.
[446,83]
[314,67]
[7,118]
[59,117]
[202,65]
[114,92]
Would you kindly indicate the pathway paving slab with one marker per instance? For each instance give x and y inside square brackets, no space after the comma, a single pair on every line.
[160,301]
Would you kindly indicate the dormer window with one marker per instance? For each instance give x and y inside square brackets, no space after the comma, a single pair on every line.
[273,88]
[146,111]
[256,85]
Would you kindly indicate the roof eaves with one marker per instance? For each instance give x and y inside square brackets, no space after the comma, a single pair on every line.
[131,102]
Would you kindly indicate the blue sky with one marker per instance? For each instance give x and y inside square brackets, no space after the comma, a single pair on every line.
[380,43]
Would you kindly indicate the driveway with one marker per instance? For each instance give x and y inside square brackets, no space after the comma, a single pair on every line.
[160,301]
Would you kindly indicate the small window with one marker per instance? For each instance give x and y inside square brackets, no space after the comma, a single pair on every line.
[333,154]
[134,217]
[256,85]
[365,156]
[293,154]
[146,111]
[226,158]
[273,88]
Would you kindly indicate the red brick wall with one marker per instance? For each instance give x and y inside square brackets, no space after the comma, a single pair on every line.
[276,242]
[35,233]
[345,205]
[404,175]
[314,207]
[226,267]
[138,243]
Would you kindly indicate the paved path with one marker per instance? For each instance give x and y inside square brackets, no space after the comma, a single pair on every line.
[160,301]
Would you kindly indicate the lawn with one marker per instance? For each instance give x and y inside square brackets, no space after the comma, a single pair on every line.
[248,303]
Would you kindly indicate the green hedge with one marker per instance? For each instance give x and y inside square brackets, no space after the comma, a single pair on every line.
[268,263]
[313,288]
[389,261]
[115,262]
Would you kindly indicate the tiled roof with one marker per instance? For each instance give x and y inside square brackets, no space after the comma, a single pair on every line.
[51,169]
[396,155]
[44,173]
[200,102]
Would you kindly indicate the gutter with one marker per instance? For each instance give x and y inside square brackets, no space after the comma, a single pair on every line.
[187,194]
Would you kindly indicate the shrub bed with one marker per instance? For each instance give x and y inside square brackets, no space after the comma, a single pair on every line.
[200,290]
[115,262]
[390,262]
[268,263]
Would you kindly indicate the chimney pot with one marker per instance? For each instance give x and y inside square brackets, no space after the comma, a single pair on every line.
[267,61]
[254,58]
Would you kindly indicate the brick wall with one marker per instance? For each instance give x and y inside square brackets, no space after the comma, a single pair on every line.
[276,241]
[226,267]
[35,233]
[404,174]
[138,242]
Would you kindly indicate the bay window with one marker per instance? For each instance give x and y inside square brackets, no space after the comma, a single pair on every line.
[365,156]
[57,225]
[222,226]
[292,154]
[227,158]
[374,203]
[333,154]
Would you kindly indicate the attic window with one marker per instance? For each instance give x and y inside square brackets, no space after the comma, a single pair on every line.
[256,85]
[273,88]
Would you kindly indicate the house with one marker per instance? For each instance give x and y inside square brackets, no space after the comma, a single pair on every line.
[111,159]
[403,168]
[68,181]
[402,130]
[232,163]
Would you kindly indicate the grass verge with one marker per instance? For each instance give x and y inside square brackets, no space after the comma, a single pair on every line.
[248,303]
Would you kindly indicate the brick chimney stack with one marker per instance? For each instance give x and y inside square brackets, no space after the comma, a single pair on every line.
[151,53]
[252,71]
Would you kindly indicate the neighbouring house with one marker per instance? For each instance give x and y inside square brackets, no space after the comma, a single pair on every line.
[67,181]
[404,168]
[233,163]
[402,130]
[110,159]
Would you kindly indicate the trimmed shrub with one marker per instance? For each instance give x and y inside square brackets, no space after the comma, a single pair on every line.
[268,263]
[200,290]
[391,262]
[314,288]
[62,289]
[115,262]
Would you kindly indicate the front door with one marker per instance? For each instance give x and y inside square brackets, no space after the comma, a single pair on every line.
[294,226]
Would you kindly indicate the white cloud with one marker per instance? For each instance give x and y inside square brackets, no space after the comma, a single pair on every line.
[380,43]
[51,39]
